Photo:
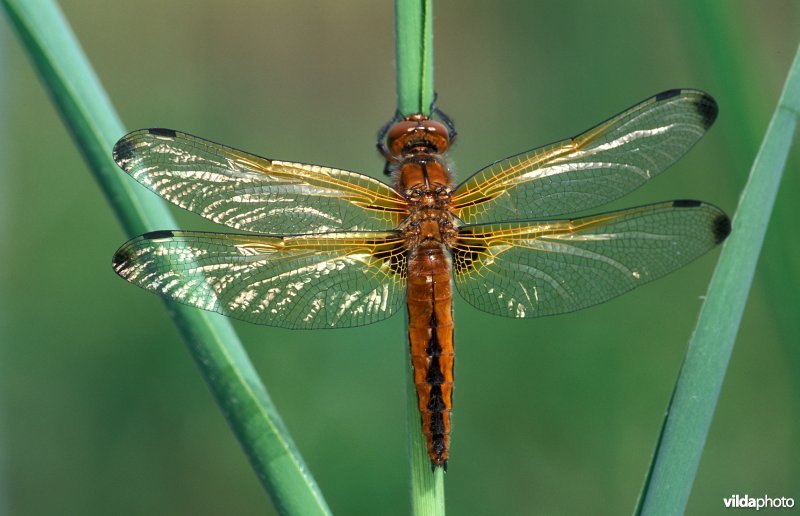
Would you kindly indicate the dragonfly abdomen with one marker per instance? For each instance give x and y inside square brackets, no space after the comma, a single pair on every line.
[430,330]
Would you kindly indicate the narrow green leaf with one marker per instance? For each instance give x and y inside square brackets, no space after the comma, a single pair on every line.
[414,42]
[427,487]
[683,436]
[5,226]
[215,347]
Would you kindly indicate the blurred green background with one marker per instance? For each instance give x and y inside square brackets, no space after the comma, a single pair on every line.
[102,410]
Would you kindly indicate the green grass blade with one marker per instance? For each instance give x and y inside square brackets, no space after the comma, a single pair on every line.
[427,487]
[719,26]
[683,436]
[215,347]
[5,225]
[414,42]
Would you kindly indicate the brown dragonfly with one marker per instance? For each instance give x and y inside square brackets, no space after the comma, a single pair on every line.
[321,247]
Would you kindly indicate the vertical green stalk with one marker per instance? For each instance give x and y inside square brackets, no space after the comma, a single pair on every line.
[414,41]
[5,222]
[683,435]
[223,363]
[427,487]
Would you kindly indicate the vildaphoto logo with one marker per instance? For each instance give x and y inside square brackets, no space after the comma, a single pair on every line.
[762,502]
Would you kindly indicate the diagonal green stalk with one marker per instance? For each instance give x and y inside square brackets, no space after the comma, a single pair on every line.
[414,42]
[213,344]
[719,26]
[683,435]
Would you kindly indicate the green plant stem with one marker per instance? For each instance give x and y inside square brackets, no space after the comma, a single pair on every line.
[683,436]
[213,344]
[414,41]
[720,29]
[427,487]
[5,225]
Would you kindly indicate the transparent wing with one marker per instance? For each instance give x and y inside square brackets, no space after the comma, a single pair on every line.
[250,193]
[531,269]
[598,166]
[334,280]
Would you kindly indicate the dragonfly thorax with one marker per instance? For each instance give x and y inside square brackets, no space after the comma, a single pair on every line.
[424,174]
[427,184]
[430,219]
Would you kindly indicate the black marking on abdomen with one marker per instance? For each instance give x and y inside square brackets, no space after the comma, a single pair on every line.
[436,402]
[434,378]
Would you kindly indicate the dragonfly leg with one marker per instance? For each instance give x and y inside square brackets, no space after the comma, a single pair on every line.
[381,144]
[451,127]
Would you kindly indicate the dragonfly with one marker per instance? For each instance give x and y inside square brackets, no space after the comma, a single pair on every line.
[319,247]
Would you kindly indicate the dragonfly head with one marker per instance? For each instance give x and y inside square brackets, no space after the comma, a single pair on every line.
[417,133]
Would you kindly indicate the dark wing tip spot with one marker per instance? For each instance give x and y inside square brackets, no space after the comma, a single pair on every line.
[123,151]
[120,257]
[123,255]
[154,235]
[707,109]
[721,227]
[686,203]
[704,104]
[157,131]
[664,95]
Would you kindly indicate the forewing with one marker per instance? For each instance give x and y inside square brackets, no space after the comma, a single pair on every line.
[531,269]
[598,166]
[333,280]
[250,193]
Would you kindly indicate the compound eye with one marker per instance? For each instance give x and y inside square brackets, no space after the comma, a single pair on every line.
[438,135]
[417,131]
[398,134]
